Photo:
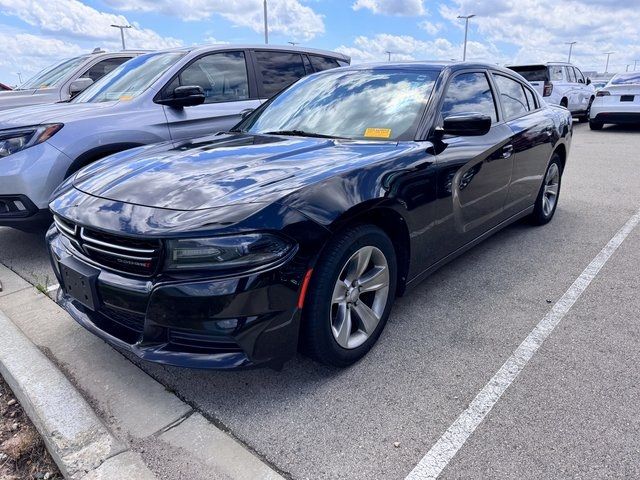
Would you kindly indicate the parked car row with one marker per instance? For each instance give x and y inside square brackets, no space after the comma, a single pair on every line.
[154,97]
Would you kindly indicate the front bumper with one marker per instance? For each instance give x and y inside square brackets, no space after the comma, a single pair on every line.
[31,175]
[219,323]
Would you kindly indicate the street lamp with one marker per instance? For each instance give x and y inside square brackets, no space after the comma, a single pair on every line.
[122,29]
[389,55]
[293,43]
[19,74]
[466,30]
[635,62]
[571,44]
[266,24]
[608,54]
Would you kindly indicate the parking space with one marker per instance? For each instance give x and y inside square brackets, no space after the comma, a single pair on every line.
[571,413]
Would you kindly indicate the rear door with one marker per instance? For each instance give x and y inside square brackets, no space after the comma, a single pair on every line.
[227,85]
[474,172]
[532,141]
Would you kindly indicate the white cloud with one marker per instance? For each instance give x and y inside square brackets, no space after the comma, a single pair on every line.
[72,18]
[540,28]
[407,8]
[286,17]
[430,27]
[405,47]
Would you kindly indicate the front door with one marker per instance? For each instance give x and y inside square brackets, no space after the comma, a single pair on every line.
[224,78]
[474,172]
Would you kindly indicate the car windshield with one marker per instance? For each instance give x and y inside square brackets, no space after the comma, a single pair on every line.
[376,104]
[51,76]
[130,79]
[626,79]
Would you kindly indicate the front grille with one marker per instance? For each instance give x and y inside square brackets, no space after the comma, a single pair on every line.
[201,342]
[124,254]
[130,320]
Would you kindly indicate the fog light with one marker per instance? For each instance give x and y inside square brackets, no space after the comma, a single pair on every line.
[19,205]
[228,324]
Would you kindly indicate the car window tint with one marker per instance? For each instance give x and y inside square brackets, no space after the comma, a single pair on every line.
[530,99]
[100,69]
[323,63]
[222,76]
[579,75]
[555,73]
[279,70]
[514,102]
[469,93]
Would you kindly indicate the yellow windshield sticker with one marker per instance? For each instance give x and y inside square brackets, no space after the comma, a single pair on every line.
[377,133]
[126,98]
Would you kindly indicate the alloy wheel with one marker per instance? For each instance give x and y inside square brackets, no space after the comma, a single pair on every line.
[359,297]
[551,189]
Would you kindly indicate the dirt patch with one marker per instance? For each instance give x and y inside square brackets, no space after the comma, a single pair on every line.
[22,452]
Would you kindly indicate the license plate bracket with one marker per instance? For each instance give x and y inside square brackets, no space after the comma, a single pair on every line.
[627,98]
[79,281]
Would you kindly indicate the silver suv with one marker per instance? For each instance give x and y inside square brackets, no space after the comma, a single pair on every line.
[65,79]
[561,84]
[162,96]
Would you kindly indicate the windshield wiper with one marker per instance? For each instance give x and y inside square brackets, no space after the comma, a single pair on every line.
[300,133]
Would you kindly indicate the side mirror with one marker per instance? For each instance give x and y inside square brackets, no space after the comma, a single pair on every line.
[467,125]
[588,81]
[78,85]
[187,96]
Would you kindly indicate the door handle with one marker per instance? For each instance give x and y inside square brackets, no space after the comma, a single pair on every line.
[507,151]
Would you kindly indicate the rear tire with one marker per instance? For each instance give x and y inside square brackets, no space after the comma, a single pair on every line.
[350,295]
[593,125]
[547,201]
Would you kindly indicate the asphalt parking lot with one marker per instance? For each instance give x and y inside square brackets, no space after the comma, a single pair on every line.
[571,413]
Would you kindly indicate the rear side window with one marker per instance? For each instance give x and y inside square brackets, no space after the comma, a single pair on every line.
[323,63]
[555,73]
[514,102]
[571,75]
[278,70]
[222,76]
[469,93]
[100,69]
[531,99]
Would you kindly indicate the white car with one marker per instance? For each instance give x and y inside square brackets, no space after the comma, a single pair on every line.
[617,102]
[561,84]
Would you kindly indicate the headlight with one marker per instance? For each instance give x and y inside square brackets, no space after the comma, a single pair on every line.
[216,253]
[12,141]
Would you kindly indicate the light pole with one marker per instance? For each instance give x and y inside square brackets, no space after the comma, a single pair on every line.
[628,65]
[266,24]
[635,62]
[608,54]
[293,43]
[466,30]
[19,77]
[571,44]
[122,29]
[388,55]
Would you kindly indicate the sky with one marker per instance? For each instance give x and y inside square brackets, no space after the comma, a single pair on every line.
[36,33]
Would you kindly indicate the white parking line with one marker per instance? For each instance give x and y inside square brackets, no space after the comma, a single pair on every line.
[457,434]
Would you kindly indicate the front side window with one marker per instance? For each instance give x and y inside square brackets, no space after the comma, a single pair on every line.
[377,104]
[222,76]
[54,75]
[512,97]
[571,75]
[579,75]
[469,93]
[104,67]
[279,70]
[130,79]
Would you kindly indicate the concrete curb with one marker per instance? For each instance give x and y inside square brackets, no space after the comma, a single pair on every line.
[122,407]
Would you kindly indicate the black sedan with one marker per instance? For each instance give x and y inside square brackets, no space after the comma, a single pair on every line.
[298,228]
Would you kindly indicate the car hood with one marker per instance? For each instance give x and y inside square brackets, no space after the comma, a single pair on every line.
[51,113]
[224,170]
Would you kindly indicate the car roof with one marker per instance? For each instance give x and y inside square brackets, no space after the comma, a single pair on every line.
[197,49]
[429,65]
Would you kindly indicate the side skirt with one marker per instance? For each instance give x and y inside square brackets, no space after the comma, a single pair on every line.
[452,256]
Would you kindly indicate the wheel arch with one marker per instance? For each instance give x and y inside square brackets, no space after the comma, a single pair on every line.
[561,151]
[97,153]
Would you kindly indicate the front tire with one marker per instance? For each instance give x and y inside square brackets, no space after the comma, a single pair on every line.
[547,200]
[350,296]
